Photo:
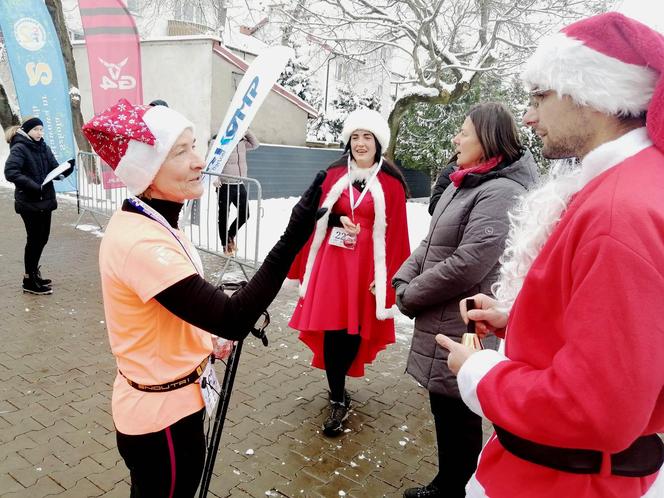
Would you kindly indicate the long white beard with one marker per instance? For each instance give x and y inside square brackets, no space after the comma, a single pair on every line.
[531,224]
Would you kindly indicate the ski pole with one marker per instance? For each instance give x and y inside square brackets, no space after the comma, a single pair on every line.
[222,404]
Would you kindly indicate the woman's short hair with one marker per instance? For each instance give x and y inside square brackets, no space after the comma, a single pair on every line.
[496,130]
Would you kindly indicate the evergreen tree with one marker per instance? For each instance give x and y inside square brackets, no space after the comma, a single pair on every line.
[328,125]
[425,142]
[296,78]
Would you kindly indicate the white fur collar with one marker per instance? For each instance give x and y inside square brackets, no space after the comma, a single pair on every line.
[538,212]
[611,153]
[357,173]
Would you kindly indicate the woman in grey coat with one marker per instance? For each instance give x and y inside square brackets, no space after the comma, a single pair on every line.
[457,259]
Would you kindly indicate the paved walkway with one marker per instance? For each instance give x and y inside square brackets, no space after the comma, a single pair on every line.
[56,373]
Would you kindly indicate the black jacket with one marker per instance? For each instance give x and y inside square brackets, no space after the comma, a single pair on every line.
[27,166]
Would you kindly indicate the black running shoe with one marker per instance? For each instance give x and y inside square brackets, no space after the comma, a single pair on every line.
[32,286]
[339,411]
[428,491]
[46,282]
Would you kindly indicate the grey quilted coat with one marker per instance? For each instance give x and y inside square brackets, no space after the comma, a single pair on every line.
[458,258]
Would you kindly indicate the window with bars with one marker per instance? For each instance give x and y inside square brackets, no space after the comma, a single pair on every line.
[187,11]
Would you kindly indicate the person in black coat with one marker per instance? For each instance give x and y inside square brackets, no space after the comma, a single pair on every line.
[30,160]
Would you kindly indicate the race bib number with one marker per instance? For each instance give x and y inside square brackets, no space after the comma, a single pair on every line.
[210,388]
[340,238]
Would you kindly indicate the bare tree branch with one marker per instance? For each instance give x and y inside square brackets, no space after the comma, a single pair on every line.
[448,44]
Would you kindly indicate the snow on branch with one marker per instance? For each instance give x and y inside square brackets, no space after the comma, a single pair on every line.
[419,90]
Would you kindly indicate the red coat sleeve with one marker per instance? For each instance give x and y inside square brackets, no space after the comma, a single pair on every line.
[397,245]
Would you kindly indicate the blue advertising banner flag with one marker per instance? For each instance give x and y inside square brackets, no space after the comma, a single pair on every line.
[39,75]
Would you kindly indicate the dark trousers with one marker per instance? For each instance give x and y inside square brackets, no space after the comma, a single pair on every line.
[38,228]
[168,463]
[339,350]
[459,439]
[236,194]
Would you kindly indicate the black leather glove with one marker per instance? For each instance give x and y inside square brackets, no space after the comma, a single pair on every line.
[304,214]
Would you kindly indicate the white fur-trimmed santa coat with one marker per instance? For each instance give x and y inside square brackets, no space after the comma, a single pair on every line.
[584,364]
[332,297]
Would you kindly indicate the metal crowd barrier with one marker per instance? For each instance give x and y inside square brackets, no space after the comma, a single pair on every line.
[202,225]
[241,198]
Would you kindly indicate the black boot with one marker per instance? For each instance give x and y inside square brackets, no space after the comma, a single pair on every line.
[32,286]
[428,491]
[338,413]
[42,281]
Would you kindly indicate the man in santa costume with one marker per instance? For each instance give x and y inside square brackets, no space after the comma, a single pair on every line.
[577,399]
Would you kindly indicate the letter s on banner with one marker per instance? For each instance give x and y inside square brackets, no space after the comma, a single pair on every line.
[38,73]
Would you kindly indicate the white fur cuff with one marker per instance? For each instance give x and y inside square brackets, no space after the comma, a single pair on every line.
[472,372]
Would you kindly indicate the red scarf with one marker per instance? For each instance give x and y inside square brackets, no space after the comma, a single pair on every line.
[479,169]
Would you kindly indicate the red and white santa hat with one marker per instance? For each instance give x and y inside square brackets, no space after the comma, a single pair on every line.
[370,120]
[135,140]
[609,62]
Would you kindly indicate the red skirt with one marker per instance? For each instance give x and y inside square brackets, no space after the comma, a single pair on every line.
[338,298]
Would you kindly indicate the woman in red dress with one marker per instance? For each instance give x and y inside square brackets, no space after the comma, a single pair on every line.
[346,307]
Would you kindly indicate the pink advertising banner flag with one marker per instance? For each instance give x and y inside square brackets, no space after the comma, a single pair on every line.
[114,58]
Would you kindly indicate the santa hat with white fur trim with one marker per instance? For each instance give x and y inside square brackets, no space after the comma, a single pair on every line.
[609,62]
[135,140]
[367,119]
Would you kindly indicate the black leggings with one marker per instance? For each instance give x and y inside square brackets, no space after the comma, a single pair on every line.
[459,438]
[339,350]
[38,228]
[235,194]
[168,463]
